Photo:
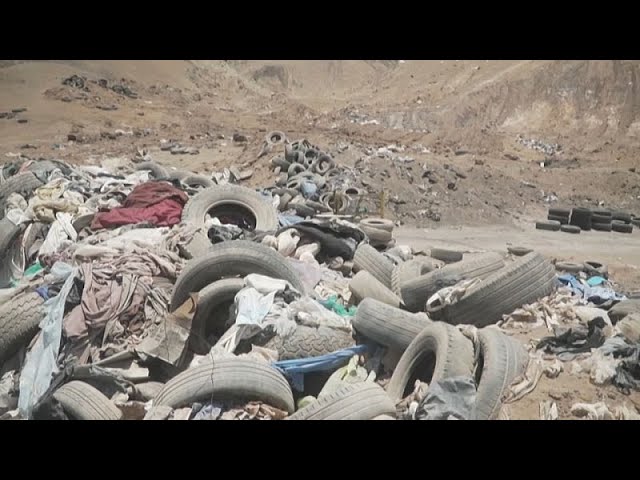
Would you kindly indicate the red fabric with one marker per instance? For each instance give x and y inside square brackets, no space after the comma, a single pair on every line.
[158,203]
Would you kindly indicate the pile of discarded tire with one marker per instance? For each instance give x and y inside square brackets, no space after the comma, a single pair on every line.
[580,219]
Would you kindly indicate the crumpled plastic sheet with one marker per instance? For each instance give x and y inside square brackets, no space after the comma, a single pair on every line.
[552,310]
[288,220]
[452,398]
[295,369]
[288,242]
[450,295]
[548,410]
[40,363]
[348,375]
[527,382]
[593,411]
[567,343]
[595,295]
[310,275]
[602,368]
[7,395]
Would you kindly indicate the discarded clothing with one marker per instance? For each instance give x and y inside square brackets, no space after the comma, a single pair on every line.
[452,398]
[157,203]
[593,411]
[627,376]
[595,295]
[550,311]
[567,344]
[295,369]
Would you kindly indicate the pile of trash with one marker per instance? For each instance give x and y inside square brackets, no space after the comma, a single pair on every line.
[145,293]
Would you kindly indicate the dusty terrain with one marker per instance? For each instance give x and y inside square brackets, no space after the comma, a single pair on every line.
[450,142]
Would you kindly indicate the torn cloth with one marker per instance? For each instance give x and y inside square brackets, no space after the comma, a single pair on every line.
[451,398]
[595,295]
[574,340]
[158,203]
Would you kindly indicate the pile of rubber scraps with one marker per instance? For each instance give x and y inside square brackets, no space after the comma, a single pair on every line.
[127,295]
[575,220]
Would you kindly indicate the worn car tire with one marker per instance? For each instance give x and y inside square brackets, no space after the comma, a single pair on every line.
[177,174]
[360,401]
[603,213]
[281,162]
[275,138]
[560,212]
[294,169]
[596,268]
[307,342]
[83,221]
[570,229]
[229,259]
[622,216]
[210,299]
[447,256]
[198,181]
[225,377]
[524,281]
[439,351]
[519,251]
[364,285]
[416,292]
[82,401]
[551,225]
[23,184]
[378,223]
[370,260]
[595,218]
[558,218]
[9,234]
[601,227]
[19,321]
[158,172]
[581,217]
[407,271]
[569,267]
[323,164]
[621,227]
[501,360]
[388,326]
[376,236]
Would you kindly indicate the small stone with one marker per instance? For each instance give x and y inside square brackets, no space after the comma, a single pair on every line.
[452,186]
[23,120]
[237,137]
[72,138]
[632,169]
[461,174]
[19,110]
[478,161]
[556,396]
[511,156]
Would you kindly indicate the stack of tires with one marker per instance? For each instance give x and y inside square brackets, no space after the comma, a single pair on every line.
[601,220]
[561,215]
[621,222]
[577,219]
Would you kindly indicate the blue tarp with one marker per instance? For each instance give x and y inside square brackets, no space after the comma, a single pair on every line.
[595,295]
[295,369]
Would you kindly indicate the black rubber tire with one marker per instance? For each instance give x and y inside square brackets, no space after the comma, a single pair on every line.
[146,391]
[502,360]
[177,174]
[569,267]
[364,285]
[284,202]
[378,223]
[556,218]
[447,256]
[377,236]
[551,225]
[524,281]
[560,212]
[595,218]
[158,172]
[82,401]
[603,213]
[275,138]
[596,268]
[601,227]
[307,342]
[581,217]
[388,326]
[198,181]
[622,216]
[228,259]
[623,308]
[19,321]
[281,162]
[307,176]
[407,271]
[453,354]
[570,229]
[23,183]
[635,221]
[317,206]
[210,299]
[323,164]
[295,168]
[519,251]
[416,292]
[225,377]
[360,401]
[196,209]
[370,260]
[621,227]
[334,172]
[9,234]
[303,210]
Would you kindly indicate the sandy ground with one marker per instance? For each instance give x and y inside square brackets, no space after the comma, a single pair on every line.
[464,173]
